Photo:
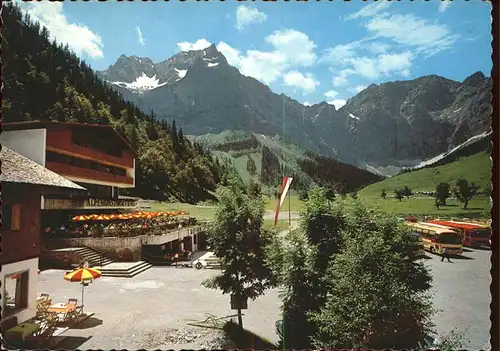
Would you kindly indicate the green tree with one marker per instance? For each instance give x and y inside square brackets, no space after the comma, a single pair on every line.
[236,235]
[383,194]
[271,169]
[330,193]
[398,194]
[254,189]
[251,167]
[465,191]
[300,262]
[406,191]
[390,306]
[337,245]
[303,195]
[442,193]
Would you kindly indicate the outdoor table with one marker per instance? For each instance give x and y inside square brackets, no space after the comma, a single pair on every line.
[61,308]
[24,329]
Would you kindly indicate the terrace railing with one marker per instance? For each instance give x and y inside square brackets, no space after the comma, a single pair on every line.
[130,231]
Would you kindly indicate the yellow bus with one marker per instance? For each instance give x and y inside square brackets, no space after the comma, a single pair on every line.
[437,237]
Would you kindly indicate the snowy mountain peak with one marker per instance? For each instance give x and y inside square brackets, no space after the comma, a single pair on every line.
[141,74]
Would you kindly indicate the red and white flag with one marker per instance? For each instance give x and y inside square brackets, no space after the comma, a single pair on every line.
[285,185]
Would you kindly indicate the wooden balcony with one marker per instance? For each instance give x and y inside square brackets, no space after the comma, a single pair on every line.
[90,203]
[90,175]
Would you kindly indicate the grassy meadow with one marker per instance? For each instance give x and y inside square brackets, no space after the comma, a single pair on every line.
[475,168]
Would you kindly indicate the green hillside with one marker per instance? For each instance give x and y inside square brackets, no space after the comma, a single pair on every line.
[237,146]
[475,168]
[282,158]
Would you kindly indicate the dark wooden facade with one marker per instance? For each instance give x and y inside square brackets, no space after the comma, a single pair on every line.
[21,243]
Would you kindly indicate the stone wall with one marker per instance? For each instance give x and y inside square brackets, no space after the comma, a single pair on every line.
[112,245]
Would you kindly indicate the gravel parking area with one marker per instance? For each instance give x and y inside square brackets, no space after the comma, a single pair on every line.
[152,309]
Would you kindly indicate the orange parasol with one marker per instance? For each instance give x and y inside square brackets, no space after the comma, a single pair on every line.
[80,218]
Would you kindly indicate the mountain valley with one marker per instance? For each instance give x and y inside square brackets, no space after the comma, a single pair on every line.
[383,128]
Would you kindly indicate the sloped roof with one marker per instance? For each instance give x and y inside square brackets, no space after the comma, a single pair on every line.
[19,169]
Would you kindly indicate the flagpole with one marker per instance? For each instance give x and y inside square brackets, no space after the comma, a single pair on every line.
[289,211]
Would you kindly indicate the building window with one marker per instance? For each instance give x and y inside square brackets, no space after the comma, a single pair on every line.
[194,239]
[84,163]
[15,292]
[11,217]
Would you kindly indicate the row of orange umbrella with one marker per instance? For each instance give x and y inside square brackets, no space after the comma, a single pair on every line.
[133,215]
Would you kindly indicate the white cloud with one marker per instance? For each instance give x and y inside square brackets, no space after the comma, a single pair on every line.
[295,45]
[307,83]
[80,38]
[398,63]
[338,103]
[140,38]
[246,15]
[443,6]
[331,94]
[200,44]
[341,78]
[419,34]
[340,52]
[357,89]
[370,10]
[291,49]
[386,49]
[378,48]
[373,68]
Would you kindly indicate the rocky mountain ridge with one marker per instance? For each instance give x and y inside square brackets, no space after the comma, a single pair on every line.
[385,124]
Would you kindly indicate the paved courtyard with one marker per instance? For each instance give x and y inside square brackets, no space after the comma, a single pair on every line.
[135,313]
[132,313]
[462,295]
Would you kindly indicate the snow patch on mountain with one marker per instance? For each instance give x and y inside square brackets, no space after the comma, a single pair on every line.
[212,64]
[142,83]
[181,73]
[443,155]
[353,117]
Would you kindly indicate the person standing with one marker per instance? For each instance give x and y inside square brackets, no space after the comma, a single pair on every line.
[446,255]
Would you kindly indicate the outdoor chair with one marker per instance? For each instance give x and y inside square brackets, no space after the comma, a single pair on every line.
[72,314]
[41,310]
[44,296]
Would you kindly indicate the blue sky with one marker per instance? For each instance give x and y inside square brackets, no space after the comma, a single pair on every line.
[316,51]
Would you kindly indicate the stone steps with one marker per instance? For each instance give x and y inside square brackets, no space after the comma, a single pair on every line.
[124,269]
[93,257]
